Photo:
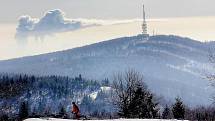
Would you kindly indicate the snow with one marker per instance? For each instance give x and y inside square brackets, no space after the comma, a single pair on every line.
[184,60]
[94,95]
[105,88]
[54,119]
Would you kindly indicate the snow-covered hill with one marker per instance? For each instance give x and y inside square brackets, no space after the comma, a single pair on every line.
[52,119]
[172,66]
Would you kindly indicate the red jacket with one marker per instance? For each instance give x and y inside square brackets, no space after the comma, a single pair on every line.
[75,109]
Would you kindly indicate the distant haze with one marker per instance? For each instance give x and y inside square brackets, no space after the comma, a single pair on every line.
[201,29]
[188,18]
[10,10]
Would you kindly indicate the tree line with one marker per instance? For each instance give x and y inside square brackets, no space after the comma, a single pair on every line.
[29,96]
[41,95]
[134,100]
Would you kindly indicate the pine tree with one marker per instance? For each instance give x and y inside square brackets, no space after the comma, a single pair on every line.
[87,104]
[166,113]
[4,118]
[178,109]
[62,112]
[133,98]
[143,105]
[23,111]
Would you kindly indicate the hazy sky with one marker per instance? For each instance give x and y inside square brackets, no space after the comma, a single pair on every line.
[188,25]
[10,10]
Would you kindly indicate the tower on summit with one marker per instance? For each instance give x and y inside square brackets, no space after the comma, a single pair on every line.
[144,24]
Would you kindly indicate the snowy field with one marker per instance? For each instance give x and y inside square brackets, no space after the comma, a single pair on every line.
[54,119]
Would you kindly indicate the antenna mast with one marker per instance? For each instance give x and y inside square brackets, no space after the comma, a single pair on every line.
[144,25]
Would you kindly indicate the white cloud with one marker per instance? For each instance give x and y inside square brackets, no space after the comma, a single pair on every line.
[52,22]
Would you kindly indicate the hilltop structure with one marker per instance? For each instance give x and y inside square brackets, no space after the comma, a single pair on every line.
[144,25]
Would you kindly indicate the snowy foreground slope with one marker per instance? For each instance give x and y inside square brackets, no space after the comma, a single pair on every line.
[52,119]
[172,66]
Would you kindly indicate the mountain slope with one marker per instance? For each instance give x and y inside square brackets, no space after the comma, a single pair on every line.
[172,66]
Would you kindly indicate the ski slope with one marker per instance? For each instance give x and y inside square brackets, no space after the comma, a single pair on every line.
[54,119]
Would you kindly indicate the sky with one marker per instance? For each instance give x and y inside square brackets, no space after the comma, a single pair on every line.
[10,10]
[97,20]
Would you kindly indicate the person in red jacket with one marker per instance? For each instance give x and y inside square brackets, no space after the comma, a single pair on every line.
[75,110]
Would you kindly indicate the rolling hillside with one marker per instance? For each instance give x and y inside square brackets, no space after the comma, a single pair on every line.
[172,66]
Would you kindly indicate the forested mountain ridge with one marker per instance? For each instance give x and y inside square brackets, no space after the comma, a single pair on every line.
[184,60]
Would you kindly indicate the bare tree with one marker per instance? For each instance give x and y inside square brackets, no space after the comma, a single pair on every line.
[132,97]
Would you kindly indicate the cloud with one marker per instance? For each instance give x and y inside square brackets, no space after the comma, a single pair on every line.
[52,22]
